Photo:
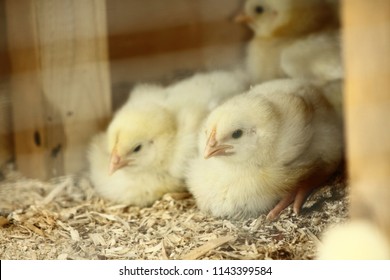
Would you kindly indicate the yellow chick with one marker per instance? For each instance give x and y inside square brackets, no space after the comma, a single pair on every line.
[191,100]
[129,185]
[354,240]
[128,163]
[316,58]
[264,149]
[277,26]
[145,93]
[148,143]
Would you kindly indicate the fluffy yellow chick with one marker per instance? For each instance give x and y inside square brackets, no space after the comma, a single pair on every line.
[316,58]
[151,138]
[145,93]
[191,100]
[127,163]
[277,26]
[355,240]
[129,185]
[264,149]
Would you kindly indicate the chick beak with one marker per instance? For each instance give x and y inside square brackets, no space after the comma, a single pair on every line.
[243,18]
[116,163]
[213,149]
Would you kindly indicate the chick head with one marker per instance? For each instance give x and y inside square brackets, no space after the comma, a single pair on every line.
[236,132]
[274,18]
[140,137]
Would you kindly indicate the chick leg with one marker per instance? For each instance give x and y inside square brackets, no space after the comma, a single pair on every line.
[299,195]
[284,203]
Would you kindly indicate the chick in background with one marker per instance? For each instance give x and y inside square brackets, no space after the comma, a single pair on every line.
[355,240]
[265,149]
[292,38]
[146,148]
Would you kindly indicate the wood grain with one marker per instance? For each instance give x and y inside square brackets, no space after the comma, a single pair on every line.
[6,143]
[60,82]
[162,41]
[367,52]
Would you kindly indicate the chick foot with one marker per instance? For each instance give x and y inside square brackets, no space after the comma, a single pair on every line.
[299,195]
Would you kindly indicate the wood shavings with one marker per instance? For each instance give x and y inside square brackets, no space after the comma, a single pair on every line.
[177,196]
[312,236]
[163,251]
[56,191]
[97,239]
[74,235]
[34,229]
[65,219]
[108,217]
[3,221]
[198,252]
[62,257]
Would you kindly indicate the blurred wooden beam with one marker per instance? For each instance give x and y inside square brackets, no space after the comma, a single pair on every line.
[367,90]
[6,143]
[60,82]
[176,38]
[162,41]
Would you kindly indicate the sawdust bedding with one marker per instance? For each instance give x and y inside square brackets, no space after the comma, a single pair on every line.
[64,219]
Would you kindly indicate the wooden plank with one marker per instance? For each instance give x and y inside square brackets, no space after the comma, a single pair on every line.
[166,40]
[367,97]
[6,147]
[60,82]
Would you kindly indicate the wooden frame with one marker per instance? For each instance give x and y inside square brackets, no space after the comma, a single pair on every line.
[367,106]
[60,82]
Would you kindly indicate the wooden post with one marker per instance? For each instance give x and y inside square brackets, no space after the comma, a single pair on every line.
[367,92]
[6,148]
[60,82]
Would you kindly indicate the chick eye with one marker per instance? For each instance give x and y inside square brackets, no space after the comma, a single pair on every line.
[259,9]
[237,134]
[137,149]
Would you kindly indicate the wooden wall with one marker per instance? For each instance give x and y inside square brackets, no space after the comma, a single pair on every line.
[367,106]
[155,40]
[6,143]
[59,84]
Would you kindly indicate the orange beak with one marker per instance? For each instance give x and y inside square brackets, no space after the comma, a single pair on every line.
[116,162]
[213,149]
[243,18]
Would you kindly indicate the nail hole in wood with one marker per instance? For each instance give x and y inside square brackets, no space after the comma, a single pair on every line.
[56,150]
[37,138]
